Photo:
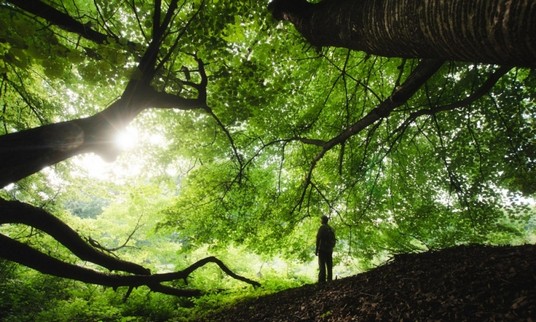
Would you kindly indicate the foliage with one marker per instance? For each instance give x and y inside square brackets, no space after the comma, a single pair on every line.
[233,182]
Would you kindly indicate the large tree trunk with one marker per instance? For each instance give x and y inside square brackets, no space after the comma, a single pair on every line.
[487,31]
[26,152]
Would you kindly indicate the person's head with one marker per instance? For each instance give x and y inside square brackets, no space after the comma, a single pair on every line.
[324,219]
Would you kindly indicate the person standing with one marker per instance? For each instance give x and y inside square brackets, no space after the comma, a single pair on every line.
[325,242]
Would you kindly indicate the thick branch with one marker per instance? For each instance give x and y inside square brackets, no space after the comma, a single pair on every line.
[63,20]
[26,152]
[477,94]
[147,64]
[18,252]
[186,272]
[423,72]
[15,212]
[400,96]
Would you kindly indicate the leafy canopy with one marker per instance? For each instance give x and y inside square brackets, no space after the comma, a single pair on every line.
[450,165]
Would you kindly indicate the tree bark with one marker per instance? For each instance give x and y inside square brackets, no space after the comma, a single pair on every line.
[481,31]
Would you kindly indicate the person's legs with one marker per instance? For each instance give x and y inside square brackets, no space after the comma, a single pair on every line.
[329,266]
[322,267]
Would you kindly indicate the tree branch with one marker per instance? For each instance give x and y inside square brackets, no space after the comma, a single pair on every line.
[15,212]
[26,152]
[20,213]
[97,245]
[23,254]
[423,72]
[478,93]
[64,21]
[186,272]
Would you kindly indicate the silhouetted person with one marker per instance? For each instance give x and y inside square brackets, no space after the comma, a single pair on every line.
[325,241]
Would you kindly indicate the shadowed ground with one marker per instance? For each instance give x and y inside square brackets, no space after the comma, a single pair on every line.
[465,283]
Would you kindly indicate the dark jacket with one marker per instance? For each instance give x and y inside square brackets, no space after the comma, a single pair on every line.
[325,238]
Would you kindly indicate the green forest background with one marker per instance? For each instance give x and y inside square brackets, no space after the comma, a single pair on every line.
[245,180]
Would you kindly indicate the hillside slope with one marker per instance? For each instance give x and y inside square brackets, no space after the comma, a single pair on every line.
[465,283]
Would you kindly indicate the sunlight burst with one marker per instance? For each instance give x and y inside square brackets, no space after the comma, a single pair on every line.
[127,138]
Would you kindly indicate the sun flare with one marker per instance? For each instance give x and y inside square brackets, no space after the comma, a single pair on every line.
[127,138]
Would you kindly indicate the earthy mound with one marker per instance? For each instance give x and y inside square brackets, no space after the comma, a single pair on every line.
[466,283]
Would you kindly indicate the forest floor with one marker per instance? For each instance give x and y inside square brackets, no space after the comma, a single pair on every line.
[465,283]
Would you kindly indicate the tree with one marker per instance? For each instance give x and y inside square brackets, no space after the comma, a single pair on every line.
[23,153]
[404,154]
[497,32]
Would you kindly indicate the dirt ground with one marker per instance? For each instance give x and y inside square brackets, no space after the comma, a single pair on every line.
[465,283]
